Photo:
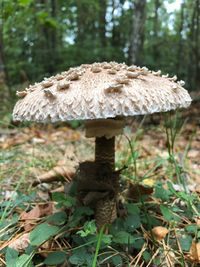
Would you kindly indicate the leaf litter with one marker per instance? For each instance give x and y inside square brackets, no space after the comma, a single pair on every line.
[164,210]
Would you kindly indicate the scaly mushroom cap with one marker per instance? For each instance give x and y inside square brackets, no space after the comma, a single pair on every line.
[100,90]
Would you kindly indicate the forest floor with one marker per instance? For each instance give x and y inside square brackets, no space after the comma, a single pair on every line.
[30,152]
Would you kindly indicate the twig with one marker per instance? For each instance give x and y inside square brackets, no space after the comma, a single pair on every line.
[168,260]
[140,255]
[153,257]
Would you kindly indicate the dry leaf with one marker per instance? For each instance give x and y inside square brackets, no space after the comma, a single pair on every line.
[193,153]
[16,140]
[21,243]
[195,251]
[134,191]
[46,209]
[59,189]
[43,195]
[149,182]
[55,175]
[159,232]
[37,212]
[36,140]
[30,216]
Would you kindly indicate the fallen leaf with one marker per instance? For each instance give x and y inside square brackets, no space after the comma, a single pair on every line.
[135,190]
[59,189]
[193,153]
[195,251]
[149,182]
[21,243]
[30,216]
[36,140]
[159,232]
[37,212]
[54,175]
[44,195]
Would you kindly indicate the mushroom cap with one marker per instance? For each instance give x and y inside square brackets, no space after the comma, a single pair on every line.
[100,90]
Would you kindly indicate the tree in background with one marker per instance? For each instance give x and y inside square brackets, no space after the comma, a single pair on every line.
[137,31]
[42,37]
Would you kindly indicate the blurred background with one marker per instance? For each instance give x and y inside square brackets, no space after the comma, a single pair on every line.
[39,38]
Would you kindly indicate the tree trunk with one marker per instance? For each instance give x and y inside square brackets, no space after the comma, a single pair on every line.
[156,28]
[190,74]
[180,40]
[137,32]
[102,22]
[3,61]
[115,34]
[197,45]
[54,33]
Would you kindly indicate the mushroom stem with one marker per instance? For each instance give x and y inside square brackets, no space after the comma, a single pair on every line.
[105,151]
[106,209]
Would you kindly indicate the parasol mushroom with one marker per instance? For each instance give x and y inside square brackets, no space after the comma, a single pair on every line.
[102,94]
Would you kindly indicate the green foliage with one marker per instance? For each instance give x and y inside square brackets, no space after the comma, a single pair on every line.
[132,208]
[80,257]
[25,2]
[89,228]
[23,260]
[12,259]
[185,241]
[10,256]
[42,233]
[123,237]
[166,212]
[146,255]
[132,222]
[192,229]
[56,257]
[79,214]
[58,218]
[63,200]
[161,192]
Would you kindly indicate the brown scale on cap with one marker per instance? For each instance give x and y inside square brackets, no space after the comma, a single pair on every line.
[173,79]
[59,77]
[144,71]
[32,88]
[73,76]
[156,73]
[47,84]
[95,69]
[175,87]
[63,85]
[112,71]
[132,75]
[115,88]
[131,68]
[106,66]
[122,80]
[21,94]
[117,68]
[181,83]
[49,92]
[166,75]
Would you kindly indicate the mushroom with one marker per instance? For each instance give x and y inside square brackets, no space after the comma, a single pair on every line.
[102,94]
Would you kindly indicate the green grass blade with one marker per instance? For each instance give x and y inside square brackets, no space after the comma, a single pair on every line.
[98,245]
[13,194]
